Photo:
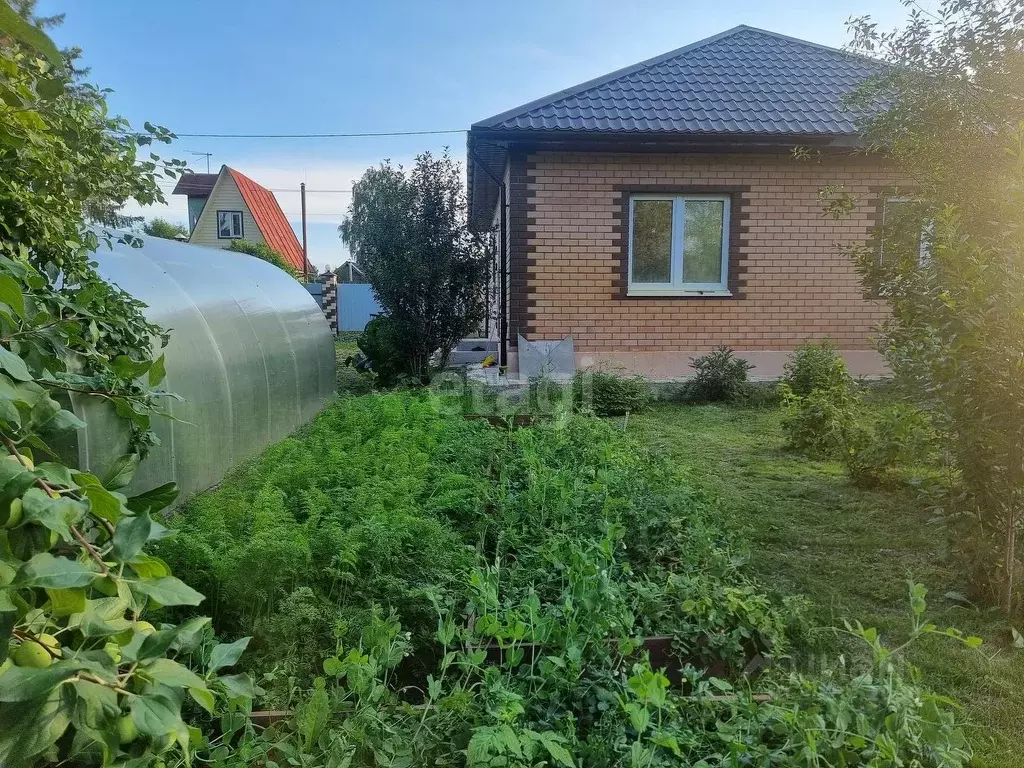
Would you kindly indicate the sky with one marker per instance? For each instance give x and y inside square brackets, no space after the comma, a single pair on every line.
[338,66]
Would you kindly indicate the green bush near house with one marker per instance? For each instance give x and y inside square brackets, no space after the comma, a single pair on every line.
[816,365]
[608,394]
[719,376]
[823,423]
[888,442]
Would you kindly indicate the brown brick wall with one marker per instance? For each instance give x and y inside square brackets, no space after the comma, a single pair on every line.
[789,279]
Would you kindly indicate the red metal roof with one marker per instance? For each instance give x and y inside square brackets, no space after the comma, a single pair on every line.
[273,224]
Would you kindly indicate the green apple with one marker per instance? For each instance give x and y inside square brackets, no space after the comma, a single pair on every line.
[35,654]
[126,730]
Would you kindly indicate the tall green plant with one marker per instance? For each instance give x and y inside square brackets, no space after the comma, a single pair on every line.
[954,337]
[84,679]
[409,234]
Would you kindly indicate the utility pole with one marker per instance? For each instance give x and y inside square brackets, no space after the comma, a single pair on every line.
[305,251]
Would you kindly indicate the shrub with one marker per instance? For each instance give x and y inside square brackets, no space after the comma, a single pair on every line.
[821,424]
[383,354]
[607,394]
[264,252]
[815,366]
[898,436]
[720,376]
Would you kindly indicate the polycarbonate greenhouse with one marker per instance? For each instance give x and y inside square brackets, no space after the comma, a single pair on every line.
[250,352]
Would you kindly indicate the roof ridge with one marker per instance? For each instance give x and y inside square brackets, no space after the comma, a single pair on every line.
[575,90]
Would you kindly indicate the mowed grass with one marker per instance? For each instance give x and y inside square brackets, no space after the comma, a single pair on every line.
[812,532]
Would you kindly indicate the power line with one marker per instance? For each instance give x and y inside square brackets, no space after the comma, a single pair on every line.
[368,134]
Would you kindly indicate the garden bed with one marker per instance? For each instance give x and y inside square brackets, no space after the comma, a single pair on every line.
[397,558]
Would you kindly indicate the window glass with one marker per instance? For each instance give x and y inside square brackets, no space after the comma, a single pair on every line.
[702,241]
[229,224]
[652,241]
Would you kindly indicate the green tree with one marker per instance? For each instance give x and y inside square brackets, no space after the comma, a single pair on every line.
[159,227]
[265,253]
[954,126]
[84,678]
[409,235]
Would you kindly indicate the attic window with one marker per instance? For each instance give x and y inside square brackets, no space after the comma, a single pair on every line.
[229,225]
[678,245]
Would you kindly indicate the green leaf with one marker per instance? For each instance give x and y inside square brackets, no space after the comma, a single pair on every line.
[64,602]
[121,472]
[154,500]
[55,474]
[13,25]
[227,654]
[10,294]
[157,372]
[62,421]
[203,698]
[190,634]
[238,686]
[9,361]
[56,514]
[48,572]
[31,728]
[126,368]
[103,503]
[168,591]
[153,645]
[27,683]
[130,536]
[149,566]
[155,714]
[558,752]
[174,675]
[95,705]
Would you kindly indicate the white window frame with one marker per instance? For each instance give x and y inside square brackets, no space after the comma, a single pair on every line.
[924,248]
[677,287]
[241,226]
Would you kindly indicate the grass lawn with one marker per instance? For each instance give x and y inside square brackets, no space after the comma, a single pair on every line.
[850,551]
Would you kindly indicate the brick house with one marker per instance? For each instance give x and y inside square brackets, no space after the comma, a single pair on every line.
[657,212]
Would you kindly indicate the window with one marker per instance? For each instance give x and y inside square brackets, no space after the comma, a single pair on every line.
[229,225]
[905,231]
[678,244]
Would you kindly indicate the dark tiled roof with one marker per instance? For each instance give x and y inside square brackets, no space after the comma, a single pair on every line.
[273,224]
[195,184]
[742,81]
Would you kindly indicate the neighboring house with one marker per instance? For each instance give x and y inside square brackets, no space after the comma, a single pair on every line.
[349,272]
[230,206]
[657,212]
